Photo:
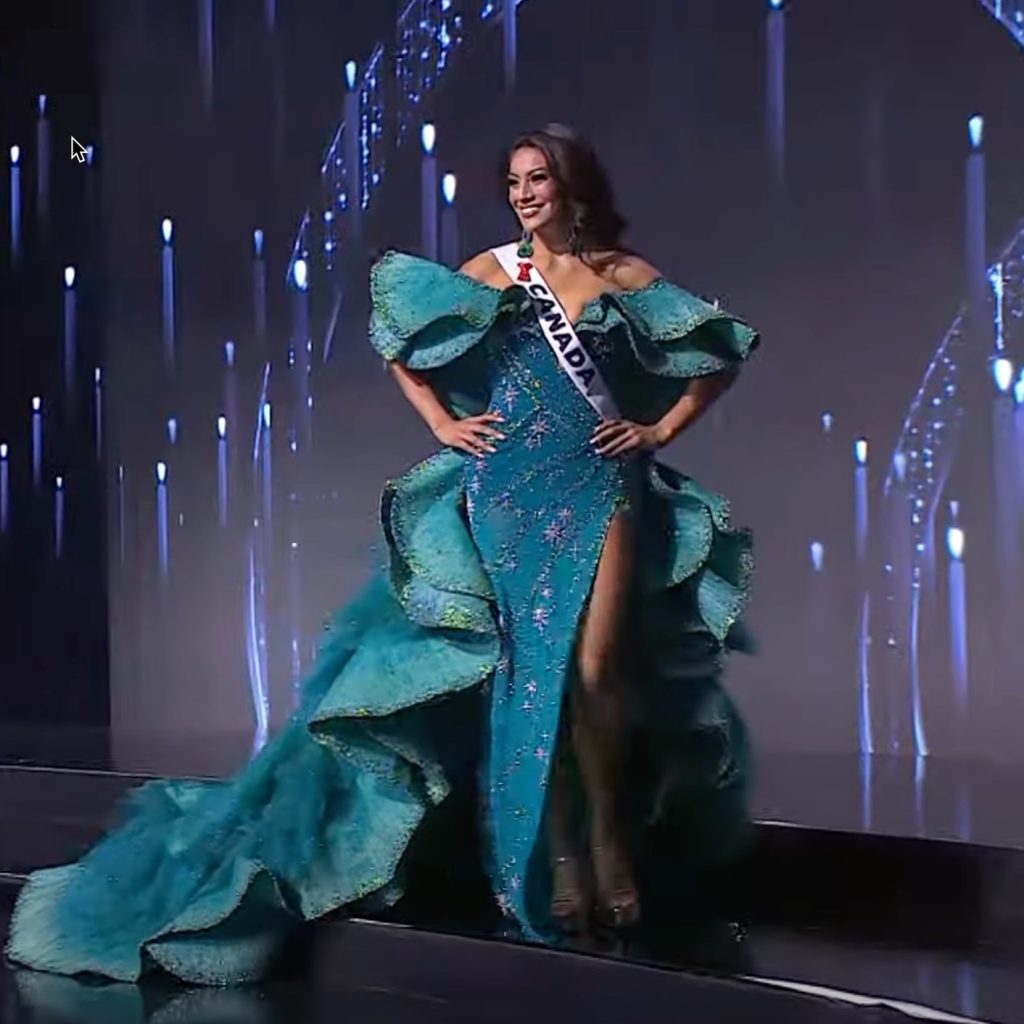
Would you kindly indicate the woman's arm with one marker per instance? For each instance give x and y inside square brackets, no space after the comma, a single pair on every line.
[619,437]
[633,272]
[420,396]
[473,435]
[701,394]
[483,267]
[418,392]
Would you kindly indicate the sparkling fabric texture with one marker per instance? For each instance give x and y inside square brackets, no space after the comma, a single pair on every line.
[463,642]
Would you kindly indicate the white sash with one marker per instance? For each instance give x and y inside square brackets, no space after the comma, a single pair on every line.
[558,331]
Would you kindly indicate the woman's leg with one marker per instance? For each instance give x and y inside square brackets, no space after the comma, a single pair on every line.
[569,894]
[598,721]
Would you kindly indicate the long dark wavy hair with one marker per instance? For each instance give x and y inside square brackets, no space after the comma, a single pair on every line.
[583,184]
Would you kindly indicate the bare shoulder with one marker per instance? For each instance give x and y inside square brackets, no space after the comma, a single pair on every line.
[628,271]
[483,267]
[625,271]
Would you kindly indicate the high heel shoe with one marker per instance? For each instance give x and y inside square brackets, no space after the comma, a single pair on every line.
[618,902]
[569,909]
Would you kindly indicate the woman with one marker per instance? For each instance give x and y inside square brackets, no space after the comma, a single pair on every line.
[554,611]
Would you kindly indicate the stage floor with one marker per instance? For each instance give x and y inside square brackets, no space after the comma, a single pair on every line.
[932,923]
[383,972]
[943,798]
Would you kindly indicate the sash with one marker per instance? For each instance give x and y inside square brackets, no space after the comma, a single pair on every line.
[559,332]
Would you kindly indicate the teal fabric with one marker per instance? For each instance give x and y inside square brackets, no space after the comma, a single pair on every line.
[462,643]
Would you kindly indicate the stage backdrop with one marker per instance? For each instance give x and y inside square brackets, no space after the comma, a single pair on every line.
[850,178]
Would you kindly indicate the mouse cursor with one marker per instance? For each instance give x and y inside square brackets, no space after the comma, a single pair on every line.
[77,150]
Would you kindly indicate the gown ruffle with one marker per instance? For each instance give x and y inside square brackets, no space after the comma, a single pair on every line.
[207,879]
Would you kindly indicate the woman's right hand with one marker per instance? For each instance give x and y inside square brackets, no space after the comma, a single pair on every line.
[473,434]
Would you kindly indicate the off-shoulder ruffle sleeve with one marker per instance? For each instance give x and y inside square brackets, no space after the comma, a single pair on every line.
[676,334]
[425,315]
[675,337]
[435,320]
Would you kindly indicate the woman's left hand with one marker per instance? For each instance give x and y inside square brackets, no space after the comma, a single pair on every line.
[622,437]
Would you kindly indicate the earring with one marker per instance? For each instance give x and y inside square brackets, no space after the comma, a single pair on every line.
[526,245]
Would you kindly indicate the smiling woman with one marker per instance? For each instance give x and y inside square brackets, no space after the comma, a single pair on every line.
[556,606]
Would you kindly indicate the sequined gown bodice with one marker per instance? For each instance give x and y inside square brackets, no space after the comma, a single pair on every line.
[459,650]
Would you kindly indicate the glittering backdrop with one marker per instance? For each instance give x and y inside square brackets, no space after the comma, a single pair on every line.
[848,179]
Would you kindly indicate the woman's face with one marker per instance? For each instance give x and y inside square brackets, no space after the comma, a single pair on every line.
[532,191]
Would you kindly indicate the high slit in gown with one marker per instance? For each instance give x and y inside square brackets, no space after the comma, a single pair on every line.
[457,654]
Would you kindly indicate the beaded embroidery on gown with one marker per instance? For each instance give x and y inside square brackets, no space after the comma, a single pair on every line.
[463,643]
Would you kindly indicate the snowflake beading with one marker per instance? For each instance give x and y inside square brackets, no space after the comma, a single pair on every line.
[539,429]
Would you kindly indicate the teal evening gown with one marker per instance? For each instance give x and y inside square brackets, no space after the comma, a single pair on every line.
[459,651]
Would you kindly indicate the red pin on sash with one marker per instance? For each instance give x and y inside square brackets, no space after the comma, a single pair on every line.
[524,271]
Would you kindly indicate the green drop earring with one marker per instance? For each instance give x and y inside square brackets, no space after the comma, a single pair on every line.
[525,250]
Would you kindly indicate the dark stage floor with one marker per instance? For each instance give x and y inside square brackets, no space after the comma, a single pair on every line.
[944,798]
[933,924]
[384,972]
